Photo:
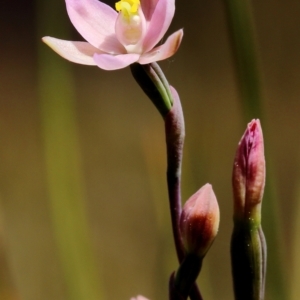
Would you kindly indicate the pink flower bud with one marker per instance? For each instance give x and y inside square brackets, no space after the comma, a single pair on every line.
[248,178]
[199,221]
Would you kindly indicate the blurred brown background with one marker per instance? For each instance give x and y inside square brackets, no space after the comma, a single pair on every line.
[123,153]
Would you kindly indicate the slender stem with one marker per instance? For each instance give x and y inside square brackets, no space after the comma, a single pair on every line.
[248,258]
[164,82]
[174,294]
[175,133]
[165,98]
[149,79]
[174,128]
[187,274]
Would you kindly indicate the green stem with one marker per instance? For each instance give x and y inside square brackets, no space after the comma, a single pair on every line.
[244,47]
[165,98]
[248,259]
[154,84]
[187,274]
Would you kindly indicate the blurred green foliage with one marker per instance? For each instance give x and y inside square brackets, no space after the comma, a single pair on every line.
[123,157]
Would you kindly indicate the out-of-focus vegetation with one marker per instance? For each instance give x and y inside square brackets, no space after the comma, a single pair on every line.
[122,153]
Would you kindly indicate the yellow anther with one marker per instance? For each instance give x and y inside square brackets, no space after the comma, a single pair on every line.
[128,7]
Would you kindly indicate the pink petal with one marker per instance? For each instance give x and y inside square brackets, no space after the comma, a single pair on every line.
[159,21]
[114,62]
[95,21]
[78,52]
[148,7]
[164,51]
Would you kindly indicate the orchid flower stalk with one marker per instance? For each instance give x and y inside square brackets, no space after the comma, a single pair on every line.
[248,245]
[155,85]
[166,99]
[127,36]
[116,38]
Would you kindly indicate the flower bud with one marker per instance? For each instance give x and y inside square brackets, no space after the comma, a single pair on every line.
[199,221]
[248,245]
[248,178]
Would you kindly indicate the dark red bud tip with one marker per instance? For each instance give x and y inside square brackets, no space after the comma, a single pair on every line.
[199,221]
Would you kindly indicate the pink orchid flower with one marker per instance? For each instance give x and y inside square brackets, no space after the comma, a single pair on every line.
[118,38]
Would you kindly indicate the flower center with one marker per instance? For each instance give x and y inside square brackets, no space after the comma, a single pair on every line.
[129,27]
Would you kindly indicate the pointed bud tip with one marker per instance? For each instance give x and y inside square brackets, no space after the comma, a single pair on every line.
[199,221]
[248,177]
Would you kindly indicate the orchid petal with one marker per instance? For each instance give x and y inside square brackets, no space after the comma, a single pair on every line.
[164,51]
[78,52]
[95,21]
[148,7]
[111,62]
[159,22]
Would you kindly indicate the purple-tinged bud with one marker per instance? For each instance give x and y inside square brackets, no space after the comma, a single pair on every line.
[248,177]
[199,221]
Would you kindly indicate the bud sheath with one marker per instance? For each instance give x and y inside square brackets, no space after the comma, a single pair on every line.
[248,245]
[199,221]
[248,177]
